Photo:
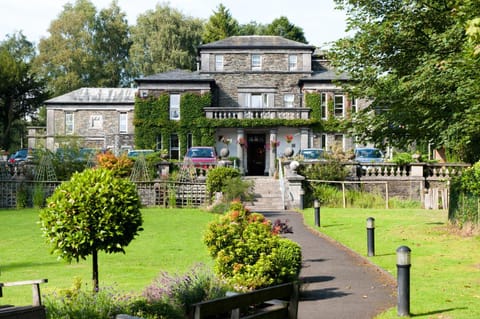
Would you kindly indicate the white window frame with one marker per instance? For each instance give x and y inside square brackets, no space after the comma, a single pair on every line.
[353,104]
[256,100]
[324,105]
[337,107]
[289,100]
[292,62]
[175,106]
[256,61]
[69,123]
[123,123]
[218,62]
[96,122]
[174,148]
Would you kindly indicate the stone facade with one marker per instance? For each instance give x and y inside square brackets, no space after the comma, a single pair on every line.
[97,118]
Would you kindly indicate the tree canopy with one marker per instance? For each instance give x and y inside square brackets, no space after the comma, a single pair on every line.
[164,39]
[220,25]
[412,59]
[85,49]
[21,91]
[283,27]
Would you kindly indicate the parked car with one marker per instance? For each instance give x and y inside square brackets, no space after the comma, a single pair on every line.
[368,155]
[313,154]
[137,153]
[18,157]
[201,155]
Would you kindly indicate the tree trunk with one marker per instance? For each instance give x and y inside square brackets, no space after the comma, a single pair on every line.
[95,270]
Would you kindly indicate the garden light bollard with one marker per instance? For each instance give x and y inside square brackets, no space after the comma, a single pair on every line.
[316,210]
[371,236]
[403,280]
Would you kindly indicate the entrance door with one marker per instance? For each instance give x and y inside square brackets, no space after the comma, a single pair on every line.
[256,154]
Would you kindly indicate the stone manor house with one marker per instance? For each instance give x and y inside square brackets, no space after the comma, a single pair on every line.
[262,89]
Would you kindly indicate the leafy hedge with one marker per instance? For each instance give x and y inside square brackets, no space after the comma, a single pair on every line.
[465,197]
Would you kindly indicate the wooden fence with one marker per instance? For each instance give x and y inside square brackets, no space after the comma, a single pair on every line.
[156,193]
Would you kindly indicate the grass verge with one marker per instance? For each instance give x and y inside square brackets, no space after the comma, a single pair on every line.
[445,272]
[171,241]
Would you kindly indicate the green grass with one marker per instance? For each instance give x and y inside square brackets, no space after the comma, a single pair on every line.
[445,272]
[171,241]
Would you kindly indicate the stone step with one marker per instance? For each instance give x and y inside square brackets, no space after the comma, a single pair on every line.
[267,194]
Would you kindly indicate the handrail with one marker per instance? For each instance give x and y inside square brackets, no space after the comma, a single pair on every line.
[282,182]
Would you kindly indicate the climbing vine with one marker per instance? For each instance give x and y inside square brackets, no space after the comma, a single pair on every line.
[152,120]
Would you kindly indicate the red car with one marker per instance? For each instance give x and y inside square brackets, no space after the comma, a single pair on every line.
[201,156]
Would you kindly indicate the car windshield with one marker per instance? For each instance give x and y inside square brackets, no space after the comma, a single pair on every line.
[369,153]
[312,154]
[200,152]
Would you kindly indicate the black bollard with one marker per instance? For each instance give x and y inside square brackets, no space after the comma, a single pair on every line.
[371,236]
[403,280]
[316,209]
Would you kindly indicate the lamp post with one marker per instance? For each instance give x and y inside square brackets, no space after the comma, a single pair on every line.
[403,280]
[316,210]
[371,236]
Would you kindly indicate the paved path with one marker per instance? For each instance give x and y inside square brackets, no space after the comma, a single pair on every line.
[336,282]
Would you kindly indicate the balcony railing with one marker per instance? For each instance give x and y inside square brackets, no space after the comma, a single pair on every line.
[286,113]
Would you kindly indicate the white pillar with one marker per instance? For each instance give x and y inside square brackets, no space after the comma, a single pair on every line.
[240,151]
[273,151]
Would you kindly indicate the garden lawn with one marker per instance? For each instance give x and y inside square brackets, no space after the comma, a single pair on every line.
[171,241]
[445,271]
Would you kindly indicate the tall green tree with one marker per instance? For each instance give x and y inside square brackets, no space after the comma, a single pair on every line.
[164,39]
[111,45]
[252,28]
[21,91]
[220,25]
[283,27]
[410,59]
[66,56]
[85,49]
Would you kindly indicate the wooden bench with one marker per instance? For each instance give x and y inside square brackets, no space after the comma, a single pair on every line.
[35,311]
[279,302]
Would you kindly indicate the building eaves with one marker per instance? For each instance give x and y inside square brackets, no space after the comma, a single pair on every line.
[96,96]
[326,75]
[256,42]
[177,76]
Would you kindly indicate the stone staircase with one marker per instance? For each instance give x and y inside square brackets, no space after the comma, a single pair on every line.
[268,196]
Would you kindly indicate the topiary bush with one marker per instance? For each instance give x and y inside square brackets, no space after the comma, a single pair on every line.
[94,211]
[248,254]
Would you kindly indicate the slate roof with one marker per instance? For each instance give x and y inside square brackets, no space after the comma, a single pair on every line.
[256,41]
[96,96]
[177,75]
[326,75]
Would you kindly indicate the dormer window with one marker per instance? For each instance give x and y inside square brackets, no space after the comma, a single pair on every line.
[256,62]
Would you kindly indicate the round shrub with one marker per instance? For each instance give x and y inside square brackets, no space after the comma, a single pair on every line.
[248,254]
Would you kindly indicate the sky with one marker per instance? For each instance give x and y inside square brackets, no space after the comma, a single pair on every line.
[319,20]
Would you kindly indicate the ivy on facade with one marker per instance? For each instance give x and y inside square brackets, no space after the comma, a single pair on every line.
[152,120]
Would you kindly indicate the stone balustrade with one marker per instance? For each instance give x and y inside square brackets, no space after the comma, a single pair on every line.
[257,113]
